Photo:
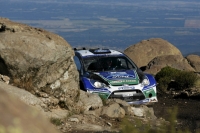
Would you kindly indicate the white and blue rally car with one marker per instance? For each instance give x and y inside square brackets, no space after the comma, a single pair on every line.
[112,74]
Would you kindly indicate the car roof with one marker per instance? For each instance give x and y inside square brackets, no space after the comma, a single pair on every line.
[97,52]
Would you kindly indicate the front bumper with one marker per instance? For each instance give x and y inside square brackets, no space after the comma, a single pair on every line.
[133,96]
[128,95]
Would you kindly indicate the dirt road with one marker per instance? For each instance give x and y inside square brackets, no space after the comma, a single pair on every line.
[188,114]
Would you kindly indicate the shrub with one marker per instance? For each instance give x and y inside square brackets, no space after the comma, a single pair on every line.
[186,80]
[56,121]
[165,76]
[172,78]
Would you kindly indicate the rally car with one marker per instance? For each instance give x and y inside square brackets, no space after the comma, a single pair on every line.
[111,74]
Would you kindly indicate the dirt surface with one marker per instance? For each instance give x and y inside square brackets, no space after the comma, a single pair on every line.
[188,114]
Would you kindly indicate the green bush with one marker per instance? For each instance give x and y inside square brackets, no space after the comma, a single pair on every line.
[186,80]
[173,78]
[165,76]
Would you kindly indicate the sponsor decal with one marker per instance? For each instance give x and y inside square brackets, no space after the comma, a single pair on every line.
[118,81]
[122,81]
[126,88]
[120,76]
[130,80]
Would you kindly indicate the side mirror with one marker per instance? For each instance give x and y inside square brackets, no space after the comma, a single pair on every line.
[143,68]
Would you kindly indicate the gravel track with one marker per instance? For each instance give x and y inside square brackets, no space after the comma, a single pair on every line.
[188,114]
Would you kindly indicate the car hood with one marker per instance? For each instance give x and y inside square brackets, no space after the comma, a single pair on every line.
[120,77]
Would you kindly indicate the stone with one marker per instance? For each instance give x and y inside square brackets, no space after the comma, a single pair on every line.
[174,61]
[5,79]
[146,50]
[17,116]
[113,111]
[38,61]
[90,101]
[194,61]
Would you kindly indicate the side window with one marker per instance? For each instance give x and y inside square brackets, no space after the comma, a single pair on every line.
[123,63]
[130,66]
[126,64]
[77,62]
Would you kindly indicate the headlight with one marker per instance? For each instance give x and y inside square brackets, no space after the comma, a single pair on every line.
[145,82]
[98,84]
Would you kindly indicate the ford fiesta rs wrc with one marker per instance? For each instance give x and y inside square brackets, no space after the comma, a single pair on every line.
[111,74]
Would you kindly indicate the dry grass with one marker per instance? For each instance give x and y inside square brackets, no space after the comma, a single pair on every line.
[139,127]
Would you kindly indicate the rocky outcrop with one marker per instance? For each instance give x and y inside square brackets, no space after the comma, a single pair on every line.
[38,61]
[16,116]
[194,61]
[94,116]
[143,52]
[174,61]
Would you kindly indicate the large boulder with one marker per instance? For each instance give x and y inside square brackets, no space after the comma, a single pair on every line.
[143,52]
[39,61]
[194,61]
[174,61]
[16,116]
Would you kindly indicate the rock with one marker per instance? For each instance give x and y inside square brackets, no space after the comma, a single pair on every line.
[143,52]
[194,61]
[81,122]
[174,61]
[90,101]
[16,116]
[96,112]
[87,127]
[144,111]
[5,79]
[89,123]
[73,120]
[138,111]
[123,104]
[38,61]
[113,111]
[57,113]
[22,94]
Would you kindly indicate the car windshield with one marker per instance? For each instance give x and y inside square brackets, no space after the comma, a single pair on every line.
[108,63]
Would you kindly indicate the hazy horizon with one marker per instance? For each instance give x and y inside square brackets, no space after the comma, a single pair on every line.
[113,23]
